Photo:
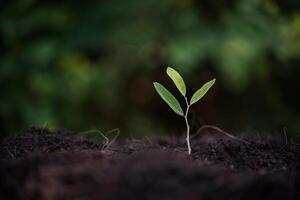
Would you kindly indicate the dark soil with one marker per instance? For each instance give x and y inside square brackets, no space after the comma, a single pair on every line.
[39,164]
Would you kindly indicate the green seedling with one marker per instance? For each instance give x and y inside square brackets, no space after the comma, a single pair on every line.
[174,103]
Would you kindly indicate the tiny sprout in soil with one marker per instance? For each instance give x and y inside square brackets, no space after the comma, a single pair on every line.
[174,103]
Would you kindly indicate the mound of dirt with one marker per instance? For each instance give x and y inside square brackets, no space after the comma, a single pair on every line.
[41,141]
[40,164]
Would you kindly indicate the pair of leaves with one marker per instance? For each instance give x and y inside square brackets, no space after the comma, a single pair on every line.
[179,82]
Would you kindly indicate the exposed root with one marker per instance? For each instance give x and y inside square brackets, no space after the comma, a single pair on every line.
[117,131]
[107,143]
[220,131]
[11,155]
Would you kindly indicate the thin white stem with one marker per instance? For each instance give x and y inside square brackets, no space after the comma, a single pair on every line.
[187,126]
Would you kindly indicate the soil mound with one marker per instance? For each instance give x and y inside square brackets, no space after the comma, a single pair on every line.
[40,164]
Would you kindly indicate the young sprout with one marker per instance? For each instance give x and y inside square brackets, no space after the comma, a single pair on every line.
[173,102]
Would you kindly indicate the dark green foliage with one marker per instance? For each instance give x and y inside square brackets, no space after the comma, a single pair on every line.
[79,64]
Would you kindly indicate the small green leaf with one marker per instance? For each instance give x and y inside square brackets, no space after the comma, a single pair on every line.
[168,98]
[202,91]
[177,79]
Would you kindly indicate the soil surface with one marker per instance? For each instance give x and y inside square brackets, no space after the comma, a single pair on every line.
[39,164]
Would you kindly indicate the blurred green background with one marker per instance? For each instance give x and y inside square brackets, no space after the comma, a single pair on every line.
[79,65]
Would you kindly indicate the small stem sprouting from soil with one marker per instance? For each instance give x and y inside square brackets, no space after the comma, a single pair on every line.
[187,126]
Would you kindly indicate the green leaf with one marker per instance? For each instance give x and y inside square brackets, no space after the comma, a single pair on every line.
[168,98]
[177,79]
[202,91]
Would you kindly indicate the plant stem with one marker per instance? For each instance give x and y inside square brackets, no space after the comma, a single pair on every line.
[187,126]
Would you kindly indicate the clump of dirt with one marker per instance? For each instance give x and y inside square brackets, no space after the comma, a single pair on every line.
[40,164]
